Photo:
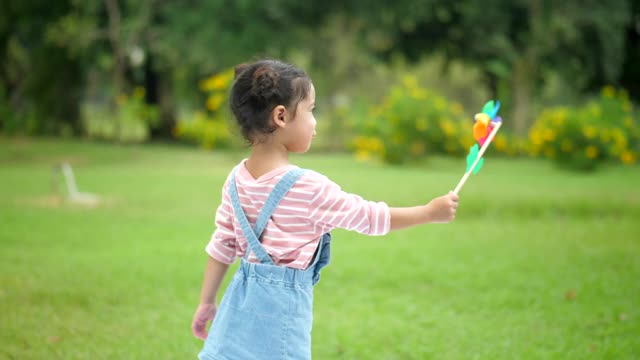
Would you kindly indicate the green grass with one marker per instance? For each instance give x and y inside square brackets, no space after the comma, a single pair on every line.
[539,264]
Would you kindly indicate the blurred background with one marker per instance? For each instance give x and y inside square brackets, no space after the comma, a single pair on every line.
[138,71]
[115,137]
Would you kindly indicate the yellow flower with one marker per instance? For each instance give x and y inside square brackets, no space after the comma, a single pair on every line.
[421,124]
[218,81]
[447,127]
[591,151]
[214,101]
[589,132]
[467,142]
[362,155]
[619,138]
[359,141]
[373,144]
[559,116]
[608,91]
[628,157]
[549,135]
[566,146]
[417,93]
[536,138]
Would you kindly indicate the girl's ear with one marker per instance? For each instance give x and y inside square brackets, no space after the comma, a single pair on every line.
[279,116]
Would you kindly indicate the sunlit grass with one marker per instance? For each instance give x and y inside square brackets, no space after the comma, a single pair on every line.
[540,263]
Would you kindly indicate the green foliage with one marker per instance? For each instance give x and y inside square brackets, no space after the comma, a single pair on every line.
[581,138]
[507,144]
[513,45]
[413,121]
[41,85]
[131,121]
[210,128]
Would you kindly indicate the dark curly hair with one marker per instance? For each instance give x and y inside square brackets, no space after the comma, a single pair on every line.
[261,86]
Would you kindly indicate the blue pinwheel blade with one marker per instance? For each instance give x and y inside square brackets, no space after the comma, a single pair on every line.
[492,114]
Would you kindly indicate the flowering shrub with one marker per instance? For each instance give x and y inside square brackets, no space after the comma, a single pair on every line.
[210,128]
[131,122]
[581,138]
[411,122]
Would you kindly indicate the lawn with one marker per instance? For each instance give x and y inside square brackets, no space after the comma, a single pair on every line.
[540,263]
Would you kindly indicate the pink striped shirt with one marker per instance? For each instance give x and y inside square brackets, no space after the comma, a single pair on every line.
[314,205]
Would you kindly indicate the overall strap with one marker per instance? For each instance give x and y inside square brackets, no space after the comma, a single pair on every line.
[277,194]
[253,235]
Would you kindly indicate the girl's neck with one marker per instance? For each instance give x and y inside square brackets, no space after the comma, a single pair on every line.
[266,157]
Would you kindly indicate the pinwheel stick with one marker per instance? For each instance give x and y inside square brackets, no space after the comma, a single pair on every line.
[480,153]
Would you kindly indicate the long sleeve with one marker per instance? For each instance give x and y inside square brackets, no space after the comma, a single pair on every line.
[330,208]
[222,245]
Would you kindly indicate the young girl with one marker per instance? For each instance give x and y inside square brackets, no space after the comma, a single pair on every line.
[277,217]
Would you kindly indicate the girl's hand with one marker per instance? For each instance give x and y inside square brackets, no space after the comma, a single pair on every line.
[204,314]
[443,209]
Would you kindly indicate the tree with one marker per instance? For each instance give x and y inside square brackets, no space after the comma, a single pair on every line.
[181,41]
[514,41]
[40,86]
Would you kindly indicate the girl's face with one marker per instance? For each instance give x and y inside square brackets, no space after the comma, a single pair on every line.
[301,130]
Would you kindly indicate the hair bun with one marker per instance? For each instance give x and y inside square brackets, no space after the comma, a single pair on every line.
[265,83]
[239,69]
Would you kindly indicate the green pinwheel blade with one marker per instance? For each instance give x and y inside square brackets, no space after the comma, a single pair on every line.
[473,154]
[478,166]
[488,107]
[471,158]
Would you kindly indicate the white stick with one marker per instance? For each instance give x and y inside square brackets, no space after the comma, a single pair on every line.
[70,179]
[480,153]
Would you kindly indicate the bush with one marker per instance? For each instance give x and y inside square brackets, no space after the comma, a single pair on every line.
[210,128]
[582,138]
[131,121]
[412,122]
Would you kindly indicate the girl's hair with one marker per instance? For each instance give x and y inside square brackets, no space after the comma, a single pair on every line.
[260,87]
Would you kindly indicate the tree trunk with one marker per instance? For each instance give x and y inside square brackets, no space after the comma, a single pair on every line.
[166,107]
[159,90]
[524,73]
[521,92]
[113,11]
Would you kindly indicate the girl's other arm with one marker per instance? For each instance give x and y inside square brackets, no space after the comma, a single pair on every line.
[222,252]
[213,275]
[439,210]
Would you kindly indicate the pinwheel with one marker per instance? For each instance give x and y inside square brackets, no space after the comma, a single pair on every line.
[487,124]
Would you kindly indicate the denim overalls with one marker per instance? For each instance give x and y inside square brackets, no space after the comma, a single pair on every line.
[267,310]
